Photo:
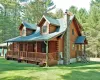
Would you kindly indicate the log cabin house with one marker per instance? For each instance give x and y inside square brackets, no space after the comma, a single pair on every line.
[50,42]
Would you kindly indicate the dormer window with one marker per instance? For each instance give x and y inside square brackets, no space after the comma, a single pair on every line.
[48,25]
[27,29]
[44,29]
[24,31]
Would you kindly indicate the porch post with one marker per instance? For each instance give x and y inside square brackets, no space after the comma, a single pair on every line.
[36,50]
[13,49]
[36,46]
[84,48]
[18,49]
[7,50]
[3,51]
[27,51]
[47,54]
[7,46]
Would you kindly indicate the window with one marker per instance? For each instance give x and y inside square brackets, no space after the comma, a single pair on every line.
[72,31]
[44,29]
[21,47]
[78,47]
[43,47]
[73,46]
[23,32]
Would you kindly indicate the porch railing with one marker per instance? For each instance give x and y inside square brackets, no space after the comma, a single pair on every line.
[32,55]
[9,53]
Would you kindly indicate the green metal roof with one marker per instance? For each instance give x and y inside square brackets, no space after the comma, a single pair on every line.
[36,36]
[80,40]
[52,21]
[29,25]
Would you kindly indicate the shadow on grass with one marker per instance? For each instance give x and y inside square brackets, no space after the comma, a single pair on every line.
[19,78]
[14,65]
[78,75]
[10,65]
[79,64]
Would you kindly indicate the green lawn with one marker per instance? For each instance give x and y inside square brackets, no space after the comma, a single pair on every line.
[11,70]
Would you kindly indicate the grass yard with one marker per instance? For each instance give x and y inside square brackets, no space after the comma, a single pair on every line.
[11,70]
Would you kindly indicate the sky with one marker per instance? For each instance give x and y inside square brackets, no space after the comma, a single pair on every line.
[65,4]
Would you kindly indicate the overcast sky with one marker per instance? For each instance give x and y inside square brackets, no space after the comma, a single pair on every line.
[65,4]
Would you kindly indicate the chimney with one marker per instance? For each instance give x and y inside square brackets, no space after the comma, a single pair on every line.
[67,17]
[67,38]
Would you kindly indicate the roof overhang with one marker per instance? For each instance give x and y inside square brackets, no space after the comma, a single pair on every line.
[81,40]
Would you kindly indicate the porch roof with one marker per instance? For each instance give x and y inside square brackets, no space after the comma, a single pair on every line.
[4,44]
[81,40]
[36,36]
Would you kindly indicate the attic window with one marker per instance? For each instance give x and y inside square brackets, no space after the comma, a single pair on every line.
[44,29]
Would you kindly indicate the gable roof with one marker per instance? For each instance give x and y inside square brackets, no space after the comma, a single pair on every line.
[29,25]
[50,20]
[36,36]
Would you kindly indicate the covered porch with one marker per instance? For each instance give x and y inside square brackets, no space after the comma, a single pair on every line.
[39,52]
[81,43]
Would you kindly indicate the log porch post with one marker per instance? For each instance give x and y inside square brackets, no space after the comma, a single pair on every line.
[84,48]
[36,50]
[3,51]
[13,49]
[27,51]
[7,46]
[18,50]
[46,53]
[7,50]
[36,47]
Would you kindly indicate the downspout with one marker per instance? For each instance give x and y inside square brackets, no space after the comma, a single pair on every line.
[46,42]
